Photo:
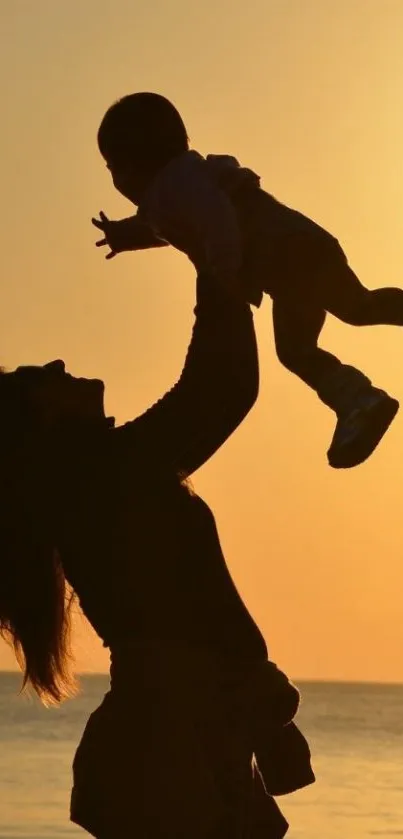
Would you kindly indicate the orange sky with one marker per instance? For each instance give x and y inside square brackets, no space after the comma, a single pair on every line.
[307,92]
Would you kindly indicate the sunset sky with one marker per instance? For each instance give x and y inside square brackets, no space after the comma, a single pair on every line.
[308,93]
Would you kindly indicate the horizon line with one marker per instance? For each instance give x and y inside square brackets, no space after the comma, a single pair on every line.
[297,679]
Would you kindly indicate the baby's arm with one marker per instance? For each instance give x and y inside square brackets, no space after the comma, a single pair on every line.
[127,234]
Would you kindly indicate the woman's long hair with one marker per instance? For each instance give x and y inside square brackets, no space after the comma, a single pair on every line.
[35,608]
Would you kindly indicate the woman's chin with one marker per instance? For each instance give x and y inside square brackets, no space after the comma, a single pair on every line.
[100,390]
[98,384]
[92,386]
[92,399]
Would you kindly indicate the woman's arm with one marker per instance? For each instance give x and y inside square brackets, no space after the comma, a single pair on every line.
[217,388]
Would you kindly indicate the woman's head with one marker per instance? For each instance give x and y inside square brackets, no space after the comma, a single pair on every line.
[138,135]
[47,396]
[38,407]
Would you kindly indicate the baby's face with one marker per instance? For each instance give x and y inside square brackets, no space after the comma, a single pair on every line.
[129,181]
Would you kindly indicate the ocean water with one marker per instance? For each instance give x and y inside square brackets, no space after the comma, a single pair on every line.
[355,732]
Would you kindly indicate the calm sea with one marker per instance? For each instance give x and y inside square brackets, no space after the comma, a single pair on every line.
[355,731]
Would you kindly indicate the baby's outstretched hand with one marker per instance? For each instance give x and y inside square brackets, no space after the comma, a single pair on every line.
[115,234]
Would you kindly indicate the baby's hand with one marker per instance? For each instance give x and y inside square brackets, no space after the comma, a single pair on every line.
[116,234]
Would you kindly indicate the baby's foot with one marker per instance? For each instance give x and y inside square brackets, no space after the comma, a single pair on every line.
[358,433]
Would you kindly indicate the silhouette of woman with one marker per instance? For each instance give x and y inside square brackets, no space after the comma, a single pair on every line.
[107,510]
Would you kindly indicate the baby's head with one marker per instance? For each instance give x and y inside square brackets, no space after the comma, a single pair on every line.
[138,136]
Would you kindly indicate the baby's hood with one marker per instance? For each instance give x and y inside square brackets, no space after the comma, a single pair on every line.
[229,174]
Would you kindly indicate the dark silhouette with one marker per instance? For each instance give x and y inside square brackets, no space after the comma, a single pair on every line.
[193,696]
[215,211]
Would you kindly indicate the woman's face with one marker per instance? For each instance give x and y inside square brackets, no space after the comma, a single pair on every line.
[59,397]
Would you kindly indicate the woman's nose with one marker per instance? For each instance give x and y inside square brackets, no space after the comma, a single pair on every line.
[57,366]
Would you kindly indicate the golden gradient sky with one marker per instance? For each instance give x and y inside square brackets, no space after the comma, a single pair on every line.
[309,93]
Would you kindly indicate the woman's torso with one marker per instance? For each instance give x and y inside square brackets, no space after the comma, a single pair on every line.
[143,554]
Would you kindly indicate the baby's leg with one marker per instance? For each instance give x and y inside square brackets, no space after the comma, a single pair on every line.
[364,412]
[297,325]
[343,295]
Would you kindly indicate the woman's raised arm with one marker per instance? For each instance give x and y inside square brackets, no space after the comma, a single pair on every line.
[218,386]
